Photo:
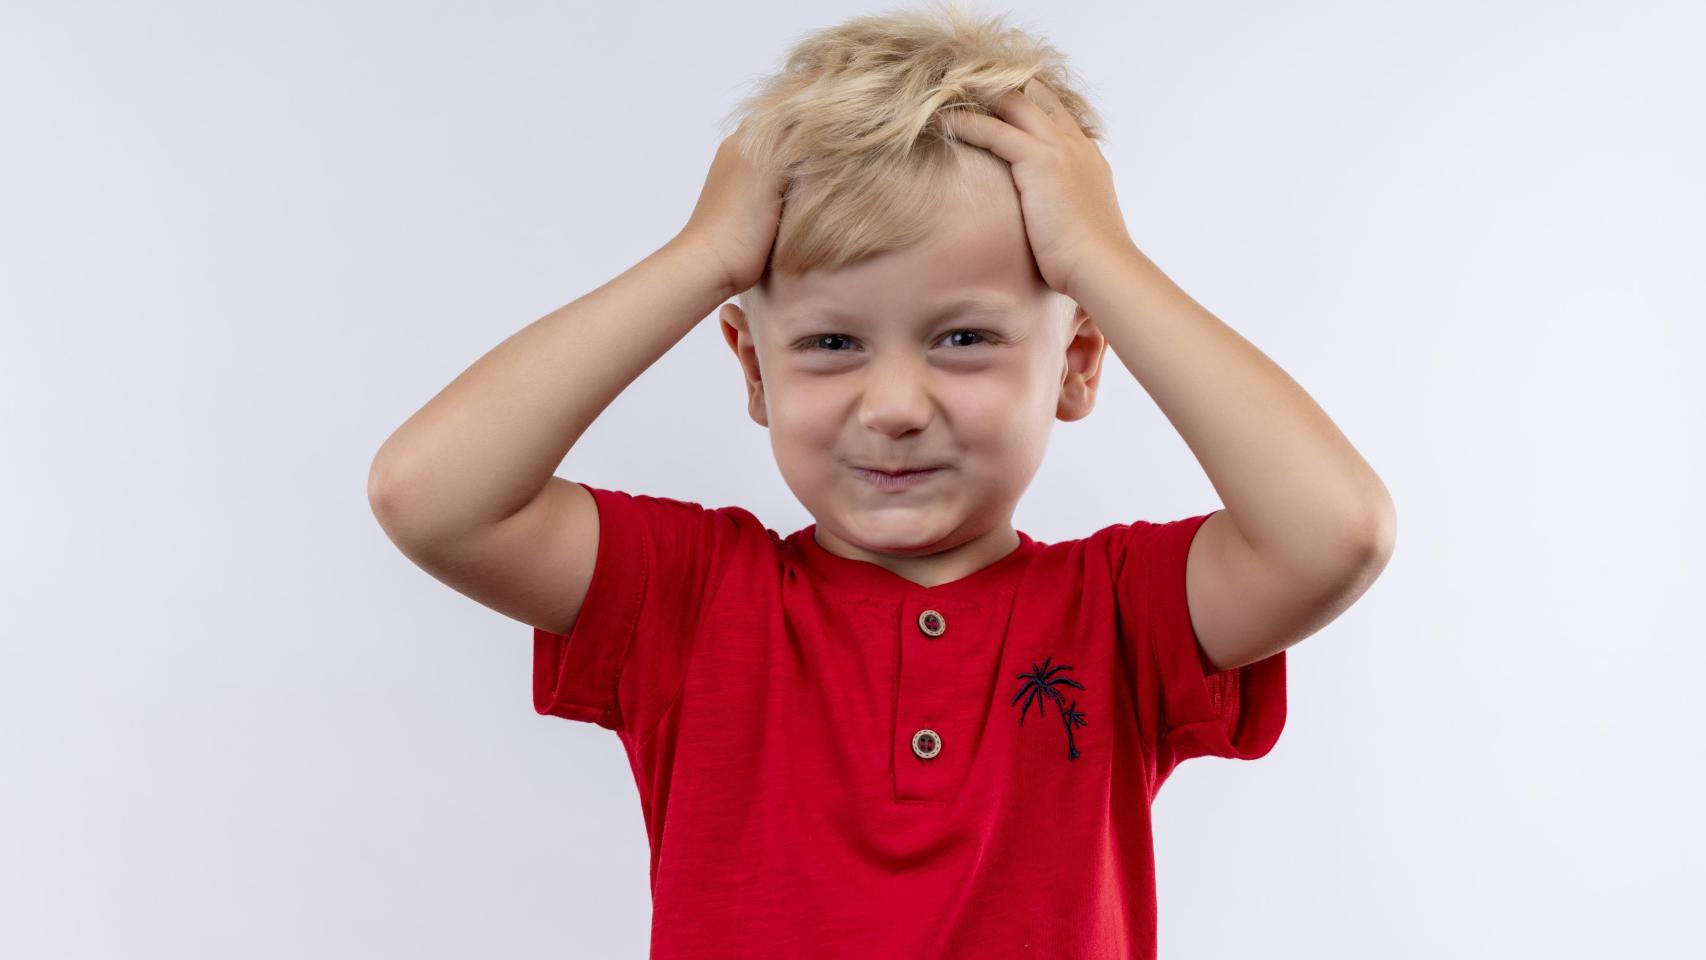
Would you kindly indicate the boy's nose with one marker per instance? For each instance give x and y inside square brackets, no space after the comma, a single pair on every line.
[896,399]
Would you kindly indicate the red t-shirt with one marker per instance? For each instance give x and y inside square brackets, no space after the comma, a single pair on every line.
[836,762]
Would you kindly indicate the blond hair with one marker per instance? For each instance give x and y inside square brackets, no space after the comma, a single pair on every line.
[853,115]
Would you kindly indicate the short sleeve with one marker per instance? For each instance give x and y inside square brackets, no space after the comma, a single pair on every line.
[1187,708]
[624,660]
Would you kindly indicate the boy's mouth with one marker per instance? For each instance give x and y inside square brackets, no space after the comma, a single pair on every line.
[900,471]
[896,479]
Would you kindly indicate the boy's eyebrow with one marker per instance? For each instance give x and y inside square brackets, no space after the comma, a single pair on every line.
[985,303]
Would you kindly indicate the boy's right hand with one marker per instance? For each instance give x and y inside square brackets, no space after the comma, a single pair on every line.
[738,213]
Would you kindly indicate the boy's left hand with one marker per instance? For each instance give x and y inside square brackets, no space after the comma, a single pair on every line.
[1066,187]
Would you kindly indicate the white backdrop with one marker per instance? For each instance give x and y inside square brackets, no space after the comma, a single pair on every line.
[241,243]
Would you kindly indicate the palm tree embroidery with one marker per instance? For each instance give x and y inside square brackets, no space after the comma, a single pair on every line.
[1040,684]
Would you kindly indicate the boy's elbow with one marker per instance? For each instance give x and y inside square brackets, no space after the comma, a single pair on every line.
[1378,537]
[388,498]
[1382,530]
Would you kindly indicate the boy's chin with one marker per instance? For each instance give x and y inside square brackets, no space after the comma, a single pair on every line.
[893,529]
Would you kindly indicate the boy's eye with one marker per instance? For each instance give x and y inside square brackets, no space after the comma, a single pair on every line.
[816,343]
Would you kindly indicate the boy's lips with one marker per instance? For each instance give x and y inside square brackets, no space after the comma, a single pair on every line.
[905,480]
[895,472]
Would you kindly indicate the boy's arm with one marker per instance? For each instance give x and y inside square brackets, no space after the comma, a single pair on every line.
[1308,525]
[465,486]
[480,449]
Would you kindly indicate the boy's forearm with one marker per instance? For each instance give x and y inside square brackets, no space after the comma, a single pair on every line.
[486,444]
[1293,485]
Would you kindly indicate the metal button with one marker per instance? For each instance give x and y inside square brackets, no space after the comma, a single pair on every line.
[926,743]
[932,623]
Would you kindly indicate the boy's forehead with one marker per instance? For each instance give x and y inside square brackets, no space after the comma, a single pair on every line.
[976,256]
[948,302]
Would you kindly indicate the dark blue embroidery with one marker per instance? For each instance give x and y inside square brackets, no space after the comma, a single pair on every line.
[1039,683]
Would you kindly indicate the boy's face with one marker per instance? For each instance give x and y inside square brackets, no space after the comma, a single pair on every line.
[876,366]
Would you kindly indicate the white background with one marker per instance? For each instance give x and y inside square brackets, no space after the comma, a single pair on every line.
[241,243]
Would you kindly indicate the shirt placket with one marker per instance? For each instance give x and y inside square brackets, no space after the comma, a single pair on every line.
[944,662]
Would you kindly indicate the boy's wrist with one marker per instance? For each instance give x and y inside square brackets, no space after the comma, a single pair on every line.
[699,265]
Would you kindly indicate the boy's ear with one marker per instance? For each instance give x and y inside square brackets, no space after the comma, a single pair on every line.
[1081,372]
[736,327]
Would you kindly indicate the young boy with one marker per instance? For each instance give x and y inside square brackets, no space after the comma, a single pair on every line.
[907,730]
